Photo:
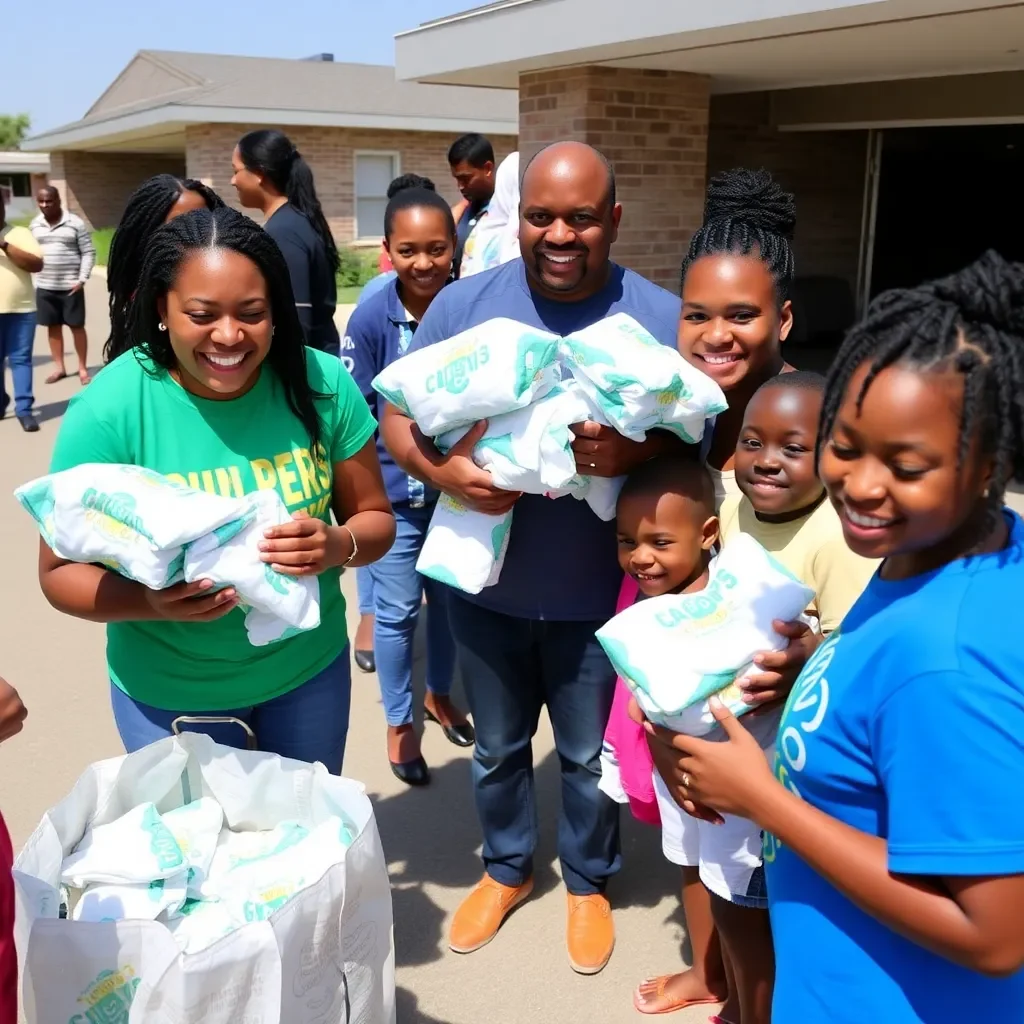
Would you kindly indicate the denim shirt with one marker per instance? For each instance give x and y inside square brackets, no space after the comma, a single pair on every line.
[380,331]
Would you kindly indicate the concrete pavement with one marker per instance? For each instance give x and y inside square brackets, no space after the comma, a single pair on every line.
[430,836]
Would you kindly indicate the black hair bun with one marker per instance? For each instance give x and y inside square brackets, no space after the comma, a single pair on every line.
[989,291]
[753,197]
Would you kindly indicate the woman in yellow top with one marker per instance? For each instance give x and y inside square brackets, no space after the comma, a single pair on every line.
[20,257]
[220,393]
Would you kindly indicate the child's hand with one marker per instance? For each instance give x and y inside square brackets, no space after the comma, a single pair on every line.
[730,777]
[779,669]
[12,711]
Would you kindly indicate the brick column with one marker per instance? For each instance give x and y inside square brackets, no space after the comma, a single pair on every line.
[653,127]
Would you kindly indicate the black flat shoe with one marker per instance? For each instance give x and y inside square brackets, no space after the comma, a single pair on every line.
[412,773]
[366,661]
[460,735]
[29,423]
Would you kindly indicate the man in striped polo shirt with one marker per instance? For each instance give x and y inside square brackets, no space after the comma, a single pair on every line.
[68,259]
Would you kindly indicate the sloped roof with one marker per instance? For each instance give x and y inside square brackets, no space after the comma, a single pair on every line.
[197,87]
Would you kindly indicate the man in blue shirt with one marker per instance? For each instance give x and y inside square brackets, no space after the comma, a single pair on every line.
[529,640]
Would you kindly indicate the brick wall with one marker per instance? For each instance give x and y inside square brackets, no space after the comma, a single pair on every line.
[653,127]
[96,186]
[331,155]
[825,170]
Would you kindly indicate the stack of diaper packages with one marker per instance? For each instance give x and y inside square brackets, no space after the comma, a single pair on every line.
[531,387]
[149,529]
[677,651]
[187,870]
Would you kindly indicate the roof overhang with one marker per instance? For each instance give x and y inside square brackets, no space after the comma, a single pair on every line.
[743,45]
[162,129]
[18,161]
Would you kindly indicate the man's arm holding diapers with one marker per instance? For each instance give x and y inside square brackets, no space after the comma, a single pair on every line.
[603,451]
[454,474]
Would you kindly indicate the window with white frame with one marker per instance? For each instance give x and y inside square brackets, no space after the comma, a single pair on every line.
[374,172]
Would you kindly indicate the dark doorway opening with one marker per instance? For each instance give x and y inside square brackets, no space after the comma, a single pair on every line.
[945,195]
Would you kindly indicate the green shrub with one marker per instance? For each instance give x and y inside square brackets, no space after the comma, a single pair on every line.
[101,239]
[357,267]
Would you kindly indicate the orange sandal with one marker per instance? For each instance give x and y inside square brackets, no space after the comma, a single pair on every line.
[640,1004]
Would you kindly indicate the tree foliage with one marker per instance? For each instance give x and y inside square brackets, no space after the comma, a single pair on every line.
[13,129]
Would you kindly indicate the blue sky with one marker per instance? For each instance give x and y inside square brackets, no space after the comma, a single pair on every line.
[60,55]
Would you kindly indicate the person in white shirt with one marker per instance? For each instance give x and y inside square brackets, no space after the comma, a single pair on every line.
[68,258]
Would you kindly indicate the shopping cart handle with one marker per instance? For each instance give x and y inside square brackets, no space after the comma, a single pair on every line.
[250,736]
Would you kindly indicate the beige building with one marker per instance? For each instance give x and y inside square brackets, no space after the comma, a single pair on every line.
[899,124]
[356,125]
[22,174]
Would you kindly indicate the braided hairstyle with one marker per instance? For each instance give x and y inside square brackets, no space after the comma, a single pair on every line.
[147,209]
[270,154]
[971,323]
[747,212]
[225,228]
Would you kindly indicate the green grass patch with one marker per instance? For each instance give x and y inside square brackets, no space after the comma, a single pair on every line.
[349,296]
[101,239]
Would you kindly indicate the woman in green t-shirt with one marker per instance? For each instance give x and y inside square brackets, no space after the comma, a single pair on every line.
[219,393]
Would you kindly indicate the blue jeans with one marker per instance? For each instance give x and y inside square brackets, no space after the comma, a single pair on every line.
[17,333]
[309,723]
[511,668]
[398,595]
[364,588]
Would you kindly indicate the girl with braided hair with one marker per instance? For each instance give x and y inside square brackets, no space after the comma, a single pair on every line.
[894,838]
[736,314]
[155,202]
[271,175]
[215,390]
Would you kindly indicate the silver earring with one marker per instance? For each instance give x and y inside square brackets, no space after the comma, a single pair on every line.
[161,326]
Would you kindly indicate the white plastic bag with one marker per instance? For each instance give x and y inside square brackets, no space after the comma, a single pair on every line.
[493,368]
[278,605]
[676,651]
[325,956]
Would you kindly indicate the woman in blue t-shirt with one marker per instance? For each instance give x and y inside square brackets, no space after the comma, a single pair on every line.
[894,825]
[419,233]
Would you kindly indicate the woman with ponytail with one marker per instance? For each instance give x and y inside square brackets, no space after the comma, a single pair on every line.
[270,175]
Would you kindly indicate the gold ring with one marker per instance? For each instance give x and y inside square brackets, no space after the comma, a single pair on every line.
[686,780]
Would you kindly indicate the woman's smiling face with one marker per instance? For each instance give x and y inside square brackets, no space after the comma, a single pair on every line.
[732,324]
[219,322]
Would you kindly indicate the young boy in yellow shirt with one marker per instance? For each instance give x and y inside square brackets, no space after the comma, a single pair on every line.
[783,504]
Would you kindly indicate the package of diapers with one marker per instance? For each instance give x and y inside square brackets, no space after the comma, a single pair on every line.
[487,370]
[464,548]
[638,383]
[136,848]
[277,605]
[529,449]
[140,902]
[677,651]
[127,518]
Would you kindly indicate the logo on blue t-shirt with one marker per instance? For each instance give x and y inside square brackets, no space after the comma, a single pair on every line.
[805,711]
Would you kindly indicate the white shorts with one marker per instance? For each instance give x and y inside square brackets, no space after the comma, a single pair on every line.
[728,855]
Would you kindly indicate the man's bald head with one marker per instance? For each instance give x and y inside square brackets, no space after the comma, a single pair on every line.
[560,157]
[568,221]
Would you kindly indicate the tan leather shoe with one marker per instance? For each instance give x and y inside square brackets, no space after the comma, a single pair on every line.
[481,913]
[590,933]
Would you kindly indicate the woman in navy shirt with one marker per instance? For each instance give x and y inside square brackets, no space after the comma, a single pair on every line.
[271,175]
[419,234]
[894,824]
